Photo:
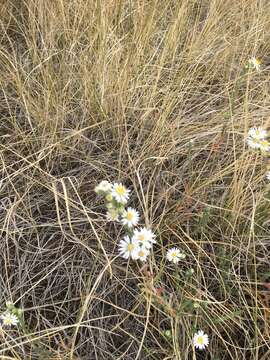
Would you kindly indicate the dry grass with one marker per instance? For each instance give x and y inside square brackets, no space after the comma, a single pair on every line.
[116,89]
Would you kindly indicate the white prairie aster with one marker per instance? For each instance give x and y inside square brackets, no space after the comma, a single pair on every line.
[174,255]
[128,248]
[253,143]
[264,145]
[103,187]
[141,253]
[200,340]
[120,193]
[145,237]
[254,63]
[8,319]
[257,133]
[130,217]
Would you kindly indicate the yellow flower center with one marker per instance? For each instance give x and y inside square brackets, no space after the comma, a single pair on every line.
[257,133]
[141,253]
[129,216]
[200,340]
[130,247]
[120,190]
[141,237]
[7,321]
[174,254]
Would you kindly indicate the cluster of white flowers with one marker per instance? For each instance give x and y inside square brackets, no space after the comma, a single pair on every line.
[257,139]
[11,316]
[138,241]
[138,245]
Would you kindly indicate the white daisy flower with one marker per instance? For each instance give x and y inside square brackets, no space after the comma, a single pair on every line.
[257,133]
[174,255]
[112,215]
[103,187]
[9,319]
[141,253]
[254,63]
[120,193]
[200,340]
[130,217]
[253,143]
[264,145]
[145,237]
[128,248]
[267,175]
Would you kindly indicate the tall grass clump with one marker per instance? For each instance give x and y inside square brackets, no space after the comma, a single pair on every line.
[134,189]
